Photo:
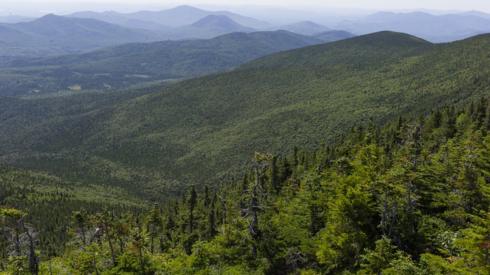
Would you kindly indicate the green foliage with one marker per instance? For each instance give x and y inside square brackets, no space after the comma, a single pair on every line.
[384,256]
[202,130]
[11,213]
[410,197]
[375,204]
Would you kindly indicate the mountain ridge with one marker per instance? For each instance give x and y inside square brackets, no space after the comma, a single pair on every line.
[178,16]
[124,65]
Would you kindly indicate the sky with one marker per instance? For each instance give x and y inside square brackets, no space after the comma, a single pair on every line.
[63,6]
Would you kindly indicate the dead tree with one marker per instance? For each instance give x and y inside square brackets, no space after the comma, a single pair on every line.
[256,191]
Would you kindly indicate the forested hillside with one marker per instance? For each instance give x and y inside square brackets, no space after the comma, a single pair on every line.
[204,129]
[185,141]
[125,65]
[411,197]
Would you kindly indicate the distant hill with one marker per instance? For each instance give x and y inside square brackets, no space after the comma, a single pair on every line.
[220,22]
[331,36]
[185,15]
[201,129]
[176,17]
[54,34]
[305,28]
[129,64]
[209,27]
[436,28]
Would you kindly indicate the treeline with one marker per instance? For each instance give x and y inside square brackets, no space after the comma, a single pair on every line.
[412,197]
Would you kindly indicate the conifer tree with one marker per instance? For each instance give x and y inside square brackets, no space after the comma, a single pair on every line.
[207,199]
[192,205]
[81,220]
[275,179]
[212,219]
[154,225]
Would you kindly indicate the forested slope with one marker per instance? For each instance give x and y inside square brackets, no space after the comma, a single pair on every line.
[50,202]
[411,197]
[203,129]
[129,64]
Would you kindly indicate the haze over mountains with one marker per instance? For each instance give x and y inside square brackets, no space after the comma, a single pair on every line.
[175,17]
[85,31]
[436,28]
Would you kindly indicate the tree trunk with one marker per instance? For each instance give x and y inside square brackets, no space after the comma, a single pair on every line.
[33,259]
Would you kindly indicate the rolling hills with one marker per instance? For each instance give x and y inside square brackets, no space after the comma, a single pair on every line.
[135,63]
[175,17]
[183,22]
[87,31]
[203,129]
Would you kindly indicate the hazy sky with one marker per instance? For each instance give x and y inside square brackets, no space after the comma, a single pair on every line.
[24,6]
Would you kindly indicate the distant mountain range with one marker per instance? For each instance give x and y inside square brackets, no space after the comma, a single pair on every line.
[182,18]
[55,35]
[176,17]
[87,31]
[436,28]
[60,35]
